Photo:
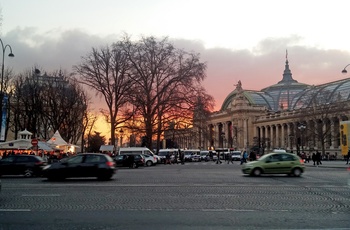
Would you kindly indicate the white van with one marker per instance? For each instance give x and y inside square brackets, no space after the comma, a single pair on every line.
[164,152]
[138,150]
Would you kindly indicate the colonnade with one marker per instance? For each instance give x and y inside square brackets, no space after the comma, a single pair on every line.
[296,136]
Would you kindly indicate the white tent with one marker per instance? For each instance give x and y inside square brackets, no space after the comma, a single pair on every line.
[57,140]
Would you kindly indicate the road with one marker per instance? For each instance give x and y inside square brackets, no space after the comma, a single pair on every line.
[199,195]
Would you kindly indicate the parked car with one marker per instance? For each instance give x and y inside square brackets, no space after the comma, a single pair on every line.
[97,165]
[150,160]
[27,165]
[236,155]
[204,155]
[275,163]
[196,157]
[188,154]
[124,160]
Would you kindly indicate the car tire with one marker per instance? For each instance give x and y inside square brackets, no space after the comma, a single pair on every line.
[297,172]
[149,163]
[256,172]
[28,173]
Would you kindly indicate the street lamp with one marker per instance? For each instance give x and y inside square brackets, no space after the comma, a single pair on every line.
[4,47]
[121,132]
[344,71]
[302,127]
[3,123]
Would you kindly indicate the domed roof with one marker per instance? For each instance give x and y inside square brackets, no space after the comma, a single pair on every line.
[251,96]
[285,90]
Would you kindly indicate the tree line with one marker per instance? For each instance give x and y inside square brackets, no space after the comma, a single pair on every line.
[148,86]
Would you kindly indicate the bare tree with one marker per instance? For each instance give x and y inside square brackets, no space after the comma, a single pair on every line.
[43,104]
[320,109]
[161,75]
[106,71]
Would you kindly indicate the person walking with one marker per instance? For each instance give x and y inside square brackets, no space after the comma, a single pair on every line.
[218,160]
[182,157]
[314,158]
[244,157]
[318,158]
[347,157]
[229,157]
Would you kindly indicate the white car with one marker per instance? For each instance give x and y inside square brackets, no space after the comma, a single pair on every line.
[236,155]
[150,160]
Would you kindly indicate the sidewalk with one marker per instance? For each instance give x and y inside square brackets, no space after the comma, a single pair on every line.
[330,164]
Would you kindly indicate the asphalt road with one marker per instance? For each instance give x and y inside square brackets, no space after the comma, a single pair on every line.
[199,195]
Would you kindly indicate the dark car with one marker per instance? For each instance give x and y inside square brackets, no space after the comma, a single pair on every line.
[97,165]
[130,160]
[27,165]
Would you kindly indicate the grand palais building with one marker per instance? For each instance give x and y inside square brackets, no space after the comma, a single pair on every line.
[291,115]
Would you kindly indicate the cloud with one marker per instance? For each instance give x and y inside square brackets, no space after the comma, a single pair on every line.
[257,68]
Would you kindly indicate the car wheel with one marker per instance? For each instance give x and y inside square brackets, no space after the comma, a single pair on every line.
[28,173]
[297,172]
[149,163]
[256,172]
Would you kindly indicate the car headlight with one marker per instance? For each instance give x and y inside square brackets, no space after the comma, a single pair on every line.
[46,167]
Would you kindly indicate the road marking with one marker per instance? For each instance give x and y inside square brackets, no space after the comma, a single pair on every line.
[15,210]
[40,195]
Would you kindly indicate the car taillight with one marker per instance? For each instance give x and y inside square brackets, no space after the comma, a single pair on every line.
[39,163]
[110,163]
[301,161]
[155,159]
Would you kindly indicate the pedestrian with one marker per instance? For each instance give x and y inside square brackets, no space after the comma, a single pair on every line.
[314,158]
[307,158]
[218,160]
[347,157]
[130,160]
[318,158]
[252,156]
[244,157]
[229,159]
[176,157]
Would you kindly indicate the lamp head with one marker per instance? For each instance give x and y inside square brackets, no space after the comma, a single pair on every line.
[11,55]
[344,71]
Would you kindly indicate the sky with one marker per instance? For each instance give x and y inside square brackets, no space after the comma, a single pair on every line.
[242,40]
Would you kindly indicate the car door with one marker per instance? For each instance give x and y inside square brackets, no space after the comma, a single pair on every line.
[91,165]
[118,160]
[273,164]
[74,166]
[7,165]
[287,163]
[22,163]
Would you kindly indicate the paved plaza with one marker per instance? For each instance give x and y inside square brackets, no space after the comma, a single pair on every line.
[198,195]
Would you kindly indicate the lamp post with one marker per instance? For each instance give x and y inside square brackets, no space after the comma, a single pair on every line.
[3,123]
[344,71]
[302,127]
[121,132]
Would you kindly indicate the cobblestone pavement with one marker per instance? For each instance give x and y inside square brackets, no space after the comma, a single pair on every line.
[200,195]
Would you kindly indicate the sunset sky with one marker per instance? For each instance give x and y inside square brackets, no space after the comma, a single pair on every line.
[239,40]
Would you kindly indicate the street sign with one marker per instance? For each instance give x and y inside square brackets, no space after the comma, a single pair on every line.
[34,142]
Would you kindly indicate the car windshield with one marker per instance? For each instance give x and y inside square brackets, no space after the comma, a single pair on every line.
[262,158]
[163,153]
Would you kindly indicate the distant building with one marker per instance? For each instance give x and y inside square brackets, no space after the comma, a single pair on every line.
[289,115]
